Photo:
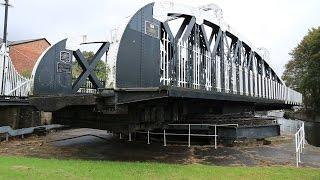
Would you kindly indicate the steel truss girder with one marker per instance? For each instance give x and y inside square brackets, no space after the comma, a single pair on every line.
[234,56]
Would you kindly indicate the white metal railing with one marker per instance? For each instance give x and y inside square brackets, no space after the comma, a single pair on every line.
[300,143]
[189,134]
[11,82]
[213,73]
[88,87]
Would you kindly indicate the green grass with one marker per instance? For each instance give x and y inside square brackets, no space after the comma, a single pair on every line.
[34,168]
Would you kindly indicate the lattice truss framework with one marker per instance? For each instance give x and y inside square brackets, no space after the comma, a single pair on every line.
[203,56]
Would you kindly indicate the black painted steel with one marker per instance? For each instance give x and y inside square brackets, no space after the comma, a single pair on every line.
[88,67]
[249,132]
[53,74]
[6,5]
[139,52]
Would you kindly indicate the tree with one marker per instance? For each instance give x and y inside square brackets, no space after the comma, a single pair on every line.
[101,69]
[26,73]
[302,72]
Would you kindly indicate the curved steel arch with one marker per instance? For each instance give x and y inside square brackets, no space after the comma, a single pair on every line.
[205,54]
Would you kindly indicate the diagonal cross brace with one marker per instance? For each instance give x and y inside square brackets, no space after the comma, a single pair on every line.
[88,67]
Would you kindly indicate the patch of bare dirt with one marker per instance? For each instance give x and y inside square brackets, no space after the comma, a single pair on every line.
[80,144]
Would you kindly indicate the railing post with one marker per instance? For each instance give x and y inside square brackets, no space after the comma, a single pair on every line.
[130,137]
[189,136]
[304,136]
[297,152]
[164,137]
[7,136]
[215,136]
[297,159]
[148,137]
[301,141]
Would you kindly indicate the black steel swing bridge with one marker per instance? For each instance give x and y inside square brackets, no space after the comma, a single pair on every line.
[168,63]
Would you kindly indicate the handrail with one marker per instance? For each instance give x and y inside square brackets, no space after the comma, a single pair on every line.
[215,135]
[300,143]
[218,125]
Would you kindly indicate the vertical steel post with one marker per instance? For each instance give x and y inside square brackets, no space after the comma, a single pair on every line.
[164,137]
[6,5]
[7,136]
[148,137]
[215,136]
[189,136]
[130,137]
[297,159]
[297,152]
[303,138]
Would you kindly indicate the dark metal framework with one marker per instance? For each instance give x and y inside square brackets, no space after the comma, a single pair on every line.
[88,67]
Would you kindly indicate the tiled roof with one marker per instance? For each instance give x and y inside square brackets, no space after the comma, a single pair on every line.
[12,43]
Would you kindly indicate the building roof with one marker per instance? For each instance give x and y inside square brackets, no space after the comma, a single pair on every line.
[13,43]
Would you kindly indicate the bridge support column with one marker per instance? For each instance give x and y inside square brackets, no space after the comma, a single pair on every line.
[19,116]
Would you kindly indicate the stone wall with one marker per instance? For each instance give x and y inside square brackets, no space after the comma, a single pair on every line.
[19,116]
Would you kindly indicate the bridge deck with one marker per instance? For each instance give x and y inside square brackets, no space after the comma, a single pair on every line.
[128,96]
[134,95]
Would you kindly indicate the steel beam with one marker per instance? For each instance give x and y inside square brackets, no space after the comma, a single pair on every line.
[88,67]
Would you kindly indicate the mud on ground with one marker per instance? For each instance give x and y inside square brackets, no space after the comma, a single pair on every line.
[105,146]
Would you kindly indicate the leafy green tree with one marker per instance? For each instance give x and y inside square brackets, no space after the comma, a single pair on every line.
[26,73]
[101,69]
[302,72]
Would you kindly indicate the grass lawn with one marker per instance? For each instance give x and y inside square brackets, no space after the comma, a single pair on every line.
[34,168]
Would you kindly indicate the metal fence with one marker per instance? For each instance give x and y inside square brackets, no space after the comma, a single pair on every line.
[88,87]
[189,134]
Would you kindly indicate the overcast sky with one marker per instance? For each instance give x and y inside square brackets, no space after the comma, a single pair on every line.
[278,25]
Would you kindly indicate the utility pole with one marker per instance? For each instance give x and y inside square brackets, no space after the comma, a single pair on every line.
[6,6]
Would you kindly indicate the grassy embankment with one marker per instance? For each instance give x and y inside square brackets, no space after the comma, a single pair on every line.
[34,168]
